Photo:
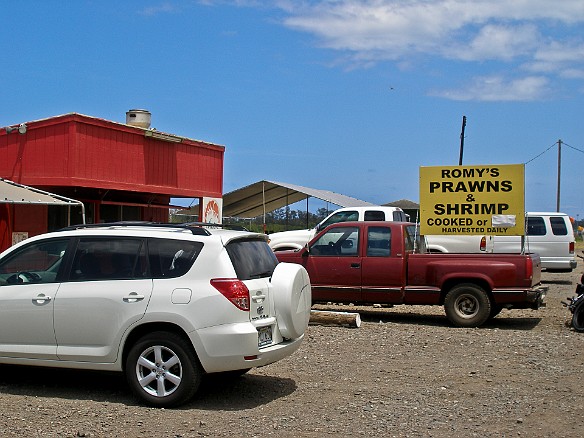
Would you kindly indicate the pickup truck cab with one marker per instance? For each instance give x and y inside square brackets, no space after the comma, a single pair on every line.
[296,239]
[387,262]
[550,234]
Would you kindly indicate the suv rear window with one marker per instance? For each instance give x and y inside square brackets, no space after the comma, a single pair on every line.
[251,258]
[172,258]
[558,226]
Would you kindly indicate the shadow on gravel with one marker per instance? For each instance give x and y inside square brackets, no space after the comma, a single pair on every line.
[238,393]
[566,282]
[215,393]
[65,383]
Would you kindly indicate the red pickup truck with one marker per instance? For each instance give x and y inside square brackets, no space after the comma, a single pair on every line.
[386,262]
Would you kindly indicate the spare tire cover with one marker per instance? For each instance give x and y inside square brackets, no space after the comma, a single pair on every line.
[292,299]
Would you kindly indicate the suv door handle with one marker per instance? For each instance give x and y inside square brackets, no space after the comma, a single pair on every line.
[355,265]
[41,299]
[133,297]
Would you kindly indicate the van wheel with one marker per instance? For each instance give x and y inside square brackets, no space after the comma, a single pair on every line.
[467,305]
[162,369]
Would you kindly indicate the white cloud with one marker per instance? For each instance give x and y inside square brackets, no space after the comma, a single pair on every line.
[526,35]
[161,8]
[497,88]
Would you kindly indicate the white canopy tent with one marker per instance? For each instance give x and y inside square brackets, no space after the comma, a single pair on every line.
[265,196]
[14,193]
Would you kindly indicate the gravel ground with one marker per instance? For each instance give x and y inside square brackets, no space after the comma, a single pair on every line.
[405,372]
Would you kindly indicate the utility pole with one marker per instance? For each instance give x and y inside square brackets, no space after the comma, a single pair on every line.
[559,174]
[462,140]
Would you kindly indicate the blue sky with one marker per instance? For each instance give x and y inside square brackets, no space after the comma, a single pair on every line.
[347,96]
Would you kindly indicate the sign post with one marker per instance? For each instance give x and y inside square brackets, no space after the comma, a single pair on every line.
[473,200]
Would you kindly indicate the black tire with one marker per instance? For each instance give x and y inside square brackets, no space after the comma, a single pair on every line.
[467,305]
[578,317]
[162,369]
[495,310]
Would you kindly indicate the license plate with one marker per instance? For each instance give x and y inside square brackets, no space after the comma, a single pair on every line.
[264,336]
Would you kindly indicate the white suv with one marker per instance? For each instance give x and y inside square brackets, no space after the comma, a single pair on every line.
[164,303]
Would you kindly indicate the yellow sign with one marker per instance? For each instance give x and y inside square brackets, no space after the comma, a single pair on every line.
[481,199]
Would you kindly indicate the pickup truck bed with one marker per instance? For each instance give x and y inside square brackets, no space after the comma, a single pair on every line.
[385,262]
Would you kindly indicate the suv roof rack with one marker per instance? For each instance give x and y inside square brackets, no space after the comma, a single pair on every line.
[195,228]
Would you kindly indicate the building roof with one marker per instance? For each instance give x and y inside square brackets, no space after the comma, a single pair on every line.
[265,196]
[404,204]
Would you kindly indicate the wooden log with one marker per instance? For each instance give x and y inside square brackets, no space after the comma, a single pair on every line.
[344,319]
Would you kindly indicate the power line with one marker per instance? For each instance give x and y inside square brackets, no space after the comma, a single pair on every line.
[555,144]
[539,155]
[572,147]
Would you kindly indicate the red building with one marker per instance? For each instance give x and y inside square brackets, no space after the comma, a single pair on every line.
[119,171]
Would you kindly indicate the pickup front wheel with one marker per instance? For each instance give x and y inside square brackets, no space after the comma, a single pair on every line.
[467,305]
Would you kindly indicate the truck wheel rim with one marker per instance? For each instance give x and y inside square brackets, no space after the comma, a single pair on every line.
[159,371]
[466,306]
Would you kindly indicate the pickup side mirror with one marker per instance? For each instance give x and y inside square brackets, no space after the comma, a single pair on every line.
[305,251]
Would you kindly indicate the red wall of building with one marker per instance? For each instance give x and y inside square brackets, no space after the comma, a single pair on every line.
[31,219]
[76,150]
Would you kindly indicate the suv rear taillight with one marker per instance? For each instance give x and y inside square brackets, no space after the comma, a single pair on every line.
[571,247]
[234,290]
[483,245]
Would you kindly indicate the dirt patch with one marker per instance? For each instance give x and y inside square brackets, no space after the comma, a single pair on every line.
[404,372]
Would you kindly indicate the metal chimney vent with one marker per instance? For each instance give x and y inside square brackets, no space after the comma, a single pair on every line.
[138,117]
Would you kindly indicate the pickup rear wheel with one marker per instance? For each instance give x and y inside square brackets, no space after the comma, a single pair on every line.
[467,305]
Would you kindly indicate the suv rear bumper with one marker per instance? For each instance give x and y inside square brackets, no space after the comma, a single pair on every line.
[232,347]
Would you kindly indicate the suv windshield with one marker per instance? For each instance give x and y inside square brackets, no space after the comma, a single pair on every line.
[252,258]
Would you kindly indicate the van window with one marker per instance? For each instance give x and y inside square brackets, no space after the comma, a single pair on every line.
[535,226]
[558,226]
[374,215]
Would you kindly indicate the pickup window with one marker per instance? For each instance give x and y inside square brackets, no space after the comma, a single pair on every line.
[413,241]
[378,242]
[341,241]
[342,216]
[374,215]
[399,216]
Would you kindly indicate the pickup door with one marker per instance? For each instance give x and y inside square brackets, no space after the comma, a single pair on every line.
[363,263]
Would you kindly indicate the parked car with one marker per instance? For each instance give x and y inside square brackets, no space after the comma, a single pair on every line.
[386,263]
[296,239]
[164,303]
[548,234]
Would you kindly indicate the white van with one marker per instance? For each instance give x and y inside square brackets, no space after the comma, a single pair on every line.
[296,239]
[549,234]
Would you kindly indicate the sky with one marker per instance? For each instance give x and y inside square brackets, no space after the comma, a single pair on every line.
[347,96]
